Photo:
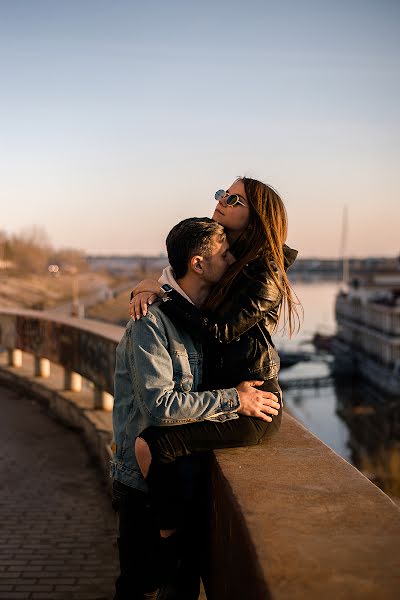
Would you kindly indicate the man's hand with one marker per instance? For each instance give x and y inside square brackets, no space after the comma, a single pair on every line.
[256,403]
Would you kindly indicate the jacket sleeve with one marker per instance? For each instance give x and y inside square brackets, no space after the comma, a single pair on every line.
[159,400]
[242,310]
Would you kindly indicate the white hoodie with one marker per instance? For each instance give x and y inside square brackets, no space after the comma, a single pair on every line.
[168,277]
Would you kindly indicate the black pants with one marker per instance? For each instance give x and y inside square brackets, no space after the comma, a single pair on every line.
[138,543]
[143,564]
[169,444]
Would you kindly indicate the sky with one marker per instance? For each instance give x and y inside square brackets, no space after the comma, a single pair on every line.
[118,119]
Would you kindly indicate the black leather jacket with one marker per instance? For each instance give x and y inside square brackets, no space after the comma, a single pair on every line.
[236,338]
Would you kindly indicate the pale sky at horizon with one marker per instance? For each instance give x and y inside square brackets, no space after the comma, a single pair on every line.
[119,119]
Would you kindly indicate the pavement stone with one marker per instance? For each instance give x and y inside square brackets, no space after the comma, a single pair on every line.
[57,531]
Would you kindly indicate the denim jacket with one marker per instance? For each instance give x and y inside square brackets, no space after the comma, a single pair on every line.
[237,337]
[157,377]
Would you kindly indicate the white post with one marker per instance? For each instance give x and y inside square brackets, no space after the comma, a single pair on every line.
[72,381]
[42,367]
[14,357]
[103,400]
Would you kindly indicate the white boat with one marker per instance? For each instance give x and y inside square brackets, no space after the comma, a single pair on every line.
[368,330]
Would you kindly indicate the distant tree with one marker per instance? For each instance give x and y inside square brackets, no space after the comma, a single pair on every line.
[3,244]
[30,250]
[70,259]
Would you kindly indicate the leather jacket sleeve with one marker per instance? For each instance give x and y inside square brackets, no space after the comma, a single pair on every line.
[250,301]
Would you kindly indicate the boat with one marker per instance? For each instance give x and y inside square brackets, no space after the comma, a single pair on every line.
[322,341]
[367,341]
[289,358]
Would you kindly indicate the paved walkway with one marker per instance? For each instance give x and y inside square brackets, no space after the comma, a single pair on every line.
[57,530]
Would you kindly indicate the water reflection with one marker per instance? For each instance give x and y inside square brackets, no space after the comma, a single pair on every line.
[315,407]
[358,422]
[355,419]
[373,422]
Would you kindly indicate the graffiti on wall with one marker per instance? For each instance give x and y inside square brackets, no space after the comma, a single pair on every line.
[8,334]
[79,350]
[31,335]
[97,359]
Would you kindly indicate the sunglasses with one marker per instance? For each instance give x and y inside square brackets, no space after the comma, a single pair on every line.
[230,199]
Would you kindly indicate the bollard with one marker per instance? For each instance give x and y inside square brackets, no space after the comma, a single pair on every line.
[42,367]
[14,357]
[103,400]
[72,381]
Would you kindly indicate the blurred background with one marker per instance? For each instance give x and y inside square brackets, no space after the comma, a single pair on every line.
[119,119]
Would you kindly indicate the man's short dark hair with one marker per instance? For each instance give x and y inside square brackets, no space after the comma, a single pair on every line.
[191,237]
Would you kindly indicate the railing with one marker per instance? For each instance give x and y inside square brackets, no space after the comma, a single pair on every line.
[83,348]
[290,518]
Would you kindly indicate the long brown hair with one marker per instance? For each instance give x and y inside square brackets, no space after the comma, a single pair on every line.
[263,239]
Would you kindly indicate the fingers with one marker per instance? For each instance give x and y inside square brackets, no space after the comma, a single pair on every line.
[270,399]
[145,302]
[265,418]
[134,308]
[255,407]
[266,399]
[267,405]
[139,305]
[261,415]
[268,409]
[143,306]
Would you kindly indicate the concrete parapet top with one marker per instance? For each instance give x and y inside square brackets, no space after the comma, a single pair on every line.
[107,330]
[79,345]
[320,529]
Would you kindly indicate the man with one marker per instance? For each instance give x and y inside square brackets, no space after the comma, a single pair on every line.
[157,378]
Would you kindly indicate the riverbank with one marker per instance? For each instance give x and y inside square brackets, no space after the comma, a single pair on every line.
[47,291]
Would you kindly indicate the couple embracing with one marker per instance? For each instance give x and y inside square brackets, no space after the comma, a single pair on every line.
[196,370]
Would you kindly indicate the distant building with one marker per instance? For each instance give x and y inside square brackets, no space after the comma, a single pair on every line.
[368,329]
[120,265]
[325,268]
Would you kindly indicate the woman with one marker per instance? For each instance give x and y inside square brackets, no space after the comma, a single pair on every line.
[235,328]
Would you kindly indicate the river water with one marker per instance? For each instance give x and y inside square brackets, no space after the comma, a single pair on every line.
[354,418]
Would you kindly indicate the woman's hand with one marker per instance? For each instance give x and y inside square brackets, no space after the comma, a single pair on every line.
[146,285]
[256,403]
[139,304]
[142,296]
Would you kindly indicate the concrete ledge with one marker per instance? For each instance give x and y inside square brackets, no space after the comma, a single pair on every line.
[312,524]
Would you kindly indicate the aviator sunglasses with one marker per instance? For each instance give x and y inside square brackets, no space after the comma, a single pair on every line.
[230,199]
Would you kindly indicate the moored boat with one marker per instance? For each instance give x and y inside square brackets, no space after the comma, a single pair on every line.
[367,341]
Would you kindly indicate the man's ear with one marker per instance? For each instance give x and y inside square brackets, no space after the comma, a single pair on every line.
[196,264]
